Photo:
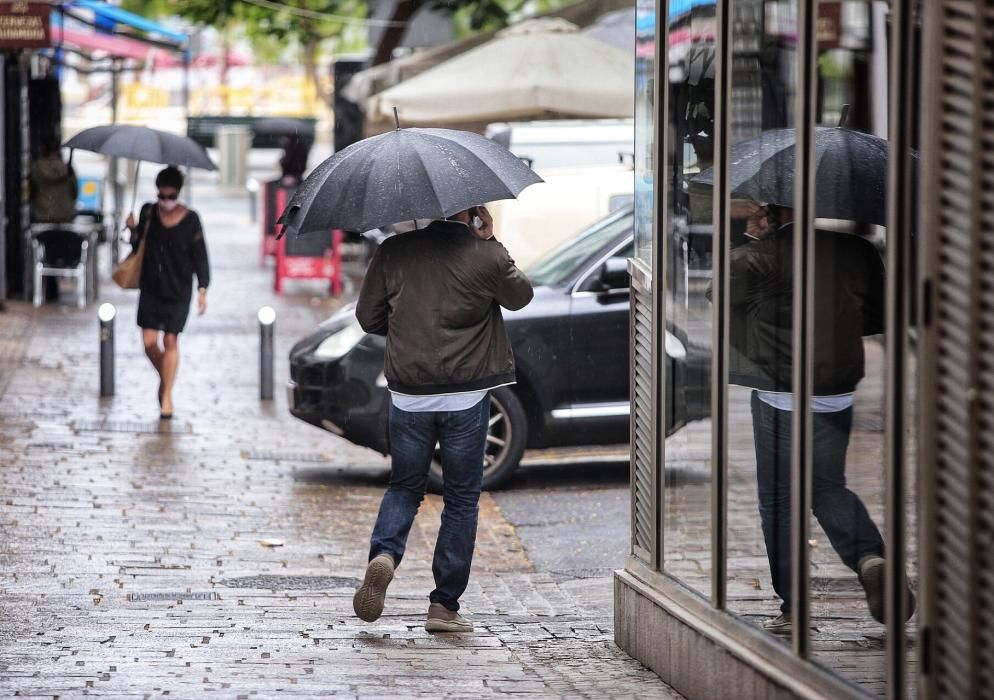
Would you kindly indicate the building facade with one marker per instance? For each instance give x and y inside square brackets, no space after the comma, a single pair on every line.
[842,290]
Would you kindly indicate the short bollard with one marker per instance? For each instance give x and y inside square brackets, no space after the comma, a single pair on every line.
[106,314]
[267,319]
[252,187]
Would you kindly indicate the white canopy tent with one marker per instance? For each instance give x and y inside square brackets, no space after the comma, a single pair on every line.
[537,69]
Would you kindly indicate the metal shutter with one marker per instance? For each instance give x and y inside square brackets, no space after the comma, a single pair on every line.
[957,436]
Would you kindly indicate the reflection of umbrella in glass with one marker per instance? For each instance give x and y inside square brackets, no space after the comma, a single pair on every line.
[402,175]
[141,143]
[850,172]
[283,126]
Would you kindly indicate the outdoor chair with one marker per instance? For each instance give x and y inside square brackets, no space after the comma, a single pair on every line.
[94,218]
[61,250]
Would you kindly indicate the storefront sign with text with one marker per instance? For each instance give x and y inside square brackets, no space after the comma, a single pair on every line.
[25,25]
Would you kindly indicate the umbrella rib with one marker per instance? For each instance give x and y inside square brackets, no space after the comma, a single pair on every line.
[434,191]
[367,218]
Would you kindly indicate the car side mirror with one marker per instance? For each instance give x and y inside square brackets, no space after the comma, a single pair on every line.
[614,274]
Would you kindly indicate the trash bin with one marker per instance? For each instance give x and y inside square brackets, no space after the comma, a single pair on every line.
[233,142]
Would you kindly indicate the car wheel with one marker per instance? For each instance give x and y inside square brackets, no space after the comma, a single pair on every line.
[506,440]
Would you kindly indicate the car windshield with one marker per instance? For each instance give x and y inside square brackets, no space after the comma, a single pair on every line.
[565,261]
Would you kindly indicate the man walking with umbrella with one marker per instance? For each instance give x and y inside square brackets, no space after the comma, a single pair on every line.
[436,295]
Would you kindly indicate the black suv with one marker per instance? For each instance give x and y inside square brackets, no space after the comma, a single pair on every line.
[571,350]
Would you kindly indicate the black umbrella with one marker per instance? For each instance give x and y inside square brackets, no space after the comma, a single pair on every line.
[141,143]
[283,126]
[850,174]
[402,175]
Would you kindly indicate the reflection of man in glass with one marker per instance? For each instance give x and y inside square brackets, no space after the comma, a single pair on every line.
[849,304]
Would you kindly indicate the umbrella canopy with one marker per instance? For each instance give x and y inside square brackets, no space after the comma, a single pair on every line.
[535,69]
[283,126]
[141,143]
[402,175]
[850,174]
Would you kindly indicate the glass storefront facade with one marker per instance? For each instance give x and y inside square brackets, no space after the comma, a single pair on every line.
[783,352]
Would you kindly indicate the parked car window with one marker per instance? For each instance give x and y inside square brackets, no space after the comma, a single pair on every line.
[592,281]
[566,261]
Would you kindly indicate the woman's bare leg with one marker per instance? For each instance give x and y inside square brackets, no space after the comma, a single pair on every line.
[170,363]
[150,339]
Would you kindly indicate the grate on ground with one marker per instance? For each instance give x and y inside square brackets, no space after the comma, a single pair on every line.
[285,456]
[291,583]
[172,596]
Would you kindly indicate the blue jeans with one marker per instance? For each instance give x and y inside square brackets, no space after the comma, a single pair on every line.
[462,438]
[840,513]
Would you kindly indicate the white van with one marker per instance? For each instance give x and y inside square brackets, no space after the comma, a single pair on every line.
[567,143]
[586,165]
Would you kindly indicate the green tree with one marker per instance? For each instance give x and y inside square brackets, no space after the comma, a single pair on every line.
[477,14]
[305,24]
[308,24]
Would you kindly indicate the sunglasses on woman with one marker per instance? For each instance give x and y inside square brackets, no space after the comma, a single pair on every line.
[170,197]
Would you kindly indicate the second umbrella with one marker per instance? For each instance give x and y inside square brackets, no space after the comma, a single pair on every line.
[142,143]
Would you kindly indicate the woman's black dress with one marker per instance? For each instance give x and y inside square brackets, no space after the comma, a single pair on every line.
[172,257]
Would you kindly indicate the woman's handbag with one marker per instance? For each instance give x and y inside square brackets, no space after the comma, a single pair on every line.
[128,273]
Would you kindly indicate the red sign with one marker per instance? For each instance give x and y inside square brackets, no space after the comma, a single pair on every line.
[311,257]
[25,25]
[305,267]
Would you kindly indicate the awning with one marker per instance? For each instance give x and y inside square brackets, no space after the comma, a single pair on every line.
[370,81]
[116,15]
[94,43]
[535,69]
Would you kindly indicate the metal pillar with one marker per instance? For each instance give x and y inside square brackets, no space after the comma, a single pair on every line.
[900,225]
[721,249]
[804,317]
[3,183]
[186,116]
[113,173]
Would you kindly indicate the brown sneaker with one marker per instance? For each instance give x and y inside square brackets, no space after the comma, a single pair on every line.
[871,575]
[441,619]
[780,624]
[368,599]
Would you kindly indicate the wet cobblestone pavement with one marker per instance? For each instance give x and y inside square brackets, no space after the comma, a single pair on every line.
[132,561]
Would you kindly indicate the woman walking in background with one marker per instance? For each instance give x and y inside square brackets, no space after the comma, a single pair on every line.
[174,251]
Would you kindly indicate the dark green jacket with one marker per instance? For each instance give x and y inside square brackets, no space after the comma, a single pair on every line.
[436,295]
[848,304]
